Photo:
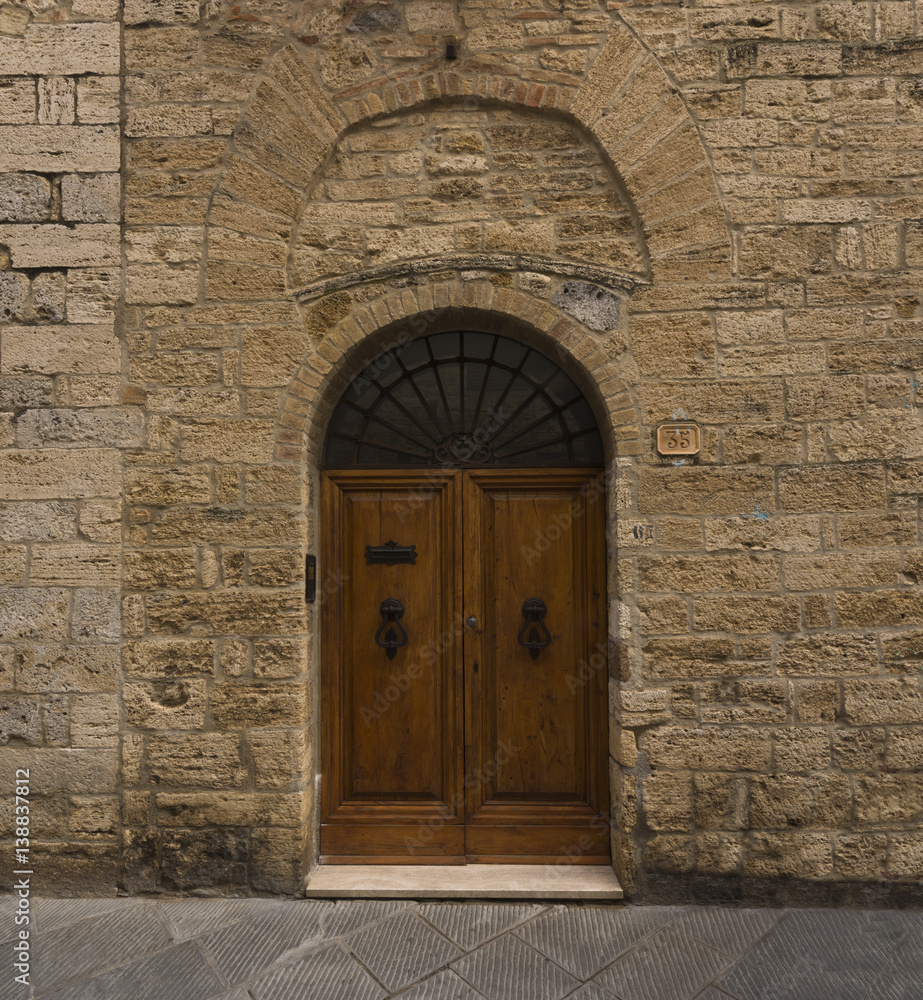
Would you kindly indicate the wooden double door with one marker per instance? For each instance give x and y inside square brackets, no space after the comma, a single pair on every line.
[464,705]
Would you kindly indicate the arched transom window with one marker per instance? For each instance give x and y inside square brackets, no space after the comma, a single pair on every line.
[462,399]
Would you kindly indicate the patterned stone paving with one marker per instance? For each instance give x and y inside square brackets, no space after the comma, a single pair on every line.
[204,949]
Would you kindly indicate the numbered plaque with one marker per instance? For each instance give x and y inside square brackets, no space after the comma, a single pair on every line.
[679,439]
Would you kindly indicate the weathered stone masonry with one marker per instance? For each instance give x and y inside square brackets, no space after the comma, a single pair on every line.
[212,215]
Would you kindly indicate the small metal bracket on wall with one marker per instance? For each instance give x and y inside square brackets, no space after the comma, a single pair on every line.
[310,579]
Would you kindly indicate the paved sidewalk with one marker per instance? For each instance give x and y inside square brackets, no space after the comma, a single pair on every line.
[259,949]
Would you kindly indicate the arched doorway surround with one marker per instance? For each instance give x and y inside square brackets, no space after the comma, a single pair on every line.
[454,726]
[448,302]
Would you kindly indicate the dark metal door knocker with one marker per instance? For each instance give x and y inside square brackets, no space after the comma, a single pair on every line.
[533,610]
[391,611]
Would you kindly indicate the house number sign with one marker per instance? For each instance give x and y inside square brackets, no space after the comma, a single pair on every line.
[679,439]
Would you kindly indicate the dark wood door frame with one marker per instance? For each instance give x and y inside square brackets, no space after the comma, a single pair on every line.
[461,812]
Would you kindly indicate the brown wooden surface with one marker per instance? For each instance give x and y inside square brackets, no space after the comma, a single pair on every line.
[392,764]
[536,754]
[521,775]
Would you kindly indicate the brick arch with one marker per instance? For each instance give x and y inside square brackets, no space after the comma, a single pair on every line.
[355,340]
[293,123]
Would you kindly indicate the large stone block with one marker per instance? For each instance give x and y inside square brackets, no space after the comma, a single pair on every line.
[206,760]
[24,198]
[196,859]
[228,526]
[746,613]
[159,284]
[158,569]
[867,702]
[247,440]
[781,854]
[58,771]
[93,198]
[83,245]
[161,11]
[39,475]
[56,350]
[692,658]
[714,401]
[45,668]
[801,749]
[859,749]
[210,809]
[63,50]
[164,487]
[785,251]
[59,148]
[832,655]
[226,613]
[237,706]
[169,658]
[860,487]
[744,701]
[841,570]
[708,573]
[270,355]
[736,748]
[80,428]
[280,757]
[880,607]
[889,799]
[681,343]
[34,614]
[704,491]
[75,564]
[169,704]
[95,720]
[666,800]
[820,800]
[756,532]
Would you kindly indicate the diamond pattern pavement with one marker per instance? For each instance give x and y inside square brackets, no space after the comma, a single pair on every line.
[270,949]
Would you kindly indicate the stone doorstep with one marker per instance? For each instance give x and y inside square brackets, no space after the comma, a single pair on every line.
[464,882]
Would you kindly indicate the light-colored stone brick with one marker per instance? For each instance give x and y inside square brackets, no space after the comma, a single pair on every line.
[59,148]
[63,49]
[61,246]
[56,350]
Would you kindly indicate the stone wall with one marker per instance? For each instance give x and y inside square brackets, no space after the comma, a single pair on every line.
[707,211]
[63,429]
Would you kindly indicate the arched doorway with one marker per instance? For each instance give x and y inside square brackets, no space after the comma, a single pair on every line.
[463,678]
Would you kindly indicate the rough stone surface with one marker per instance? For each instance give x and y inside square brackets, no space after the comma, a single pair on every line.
[706,213]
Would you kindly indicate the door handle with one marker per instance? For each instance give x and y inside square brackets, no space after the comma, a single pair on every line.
[391,611]
[533,610]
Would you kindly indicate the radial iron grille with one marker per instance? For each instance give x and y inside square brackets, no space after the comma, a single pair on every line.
[462,399]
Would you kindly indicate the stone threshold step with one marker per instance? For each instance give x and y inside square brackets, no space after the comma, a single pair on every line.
[464,882]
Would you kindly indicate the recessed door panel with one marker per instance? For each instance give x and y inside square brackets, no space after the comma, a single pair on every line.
[535,673]
[392,686]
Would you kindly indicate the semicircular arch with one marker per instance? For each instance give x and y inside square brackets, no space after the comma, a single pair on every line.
[292,124]
[400,316]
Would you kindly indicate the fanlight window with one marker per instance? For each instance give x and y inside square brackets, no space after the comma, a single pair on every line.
[462,399]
